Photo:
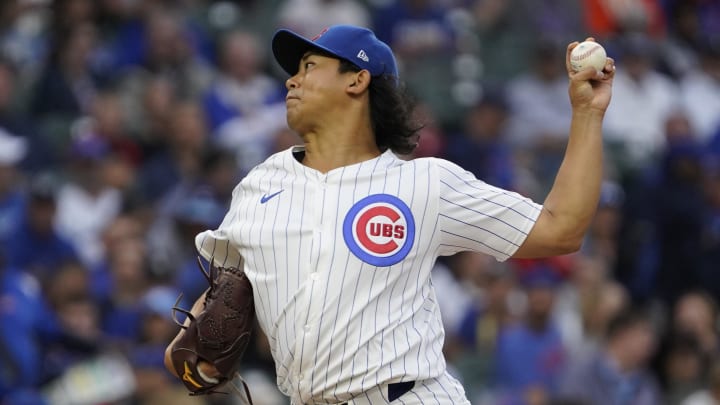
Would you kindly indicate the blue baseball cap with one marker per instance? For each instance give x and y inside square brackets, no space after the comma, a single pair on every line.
[356,45]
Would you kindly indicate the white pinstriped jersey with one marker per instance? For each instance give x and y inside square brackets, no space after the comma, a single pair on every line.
[340,263]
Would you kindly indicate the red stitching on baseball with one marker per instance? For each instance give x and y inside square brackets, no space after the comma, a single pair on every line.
[585,54]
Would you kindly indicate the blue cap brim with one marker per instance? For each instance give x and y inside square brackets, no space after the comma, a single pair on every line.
[289,47]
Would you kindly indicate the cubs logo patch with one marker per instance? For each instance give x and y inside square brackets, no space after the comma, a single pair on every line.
[379,230]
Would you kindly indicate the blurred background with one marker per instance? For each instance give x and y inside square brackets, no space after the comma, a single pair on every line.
[125,125]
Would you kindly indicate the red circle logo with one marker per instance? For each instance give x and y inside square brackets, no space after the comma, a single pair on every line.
[380,229]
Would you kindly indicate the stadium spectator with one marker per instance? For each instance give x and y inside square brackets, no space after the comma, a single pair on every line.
[664,216]
[415,29]
[635,123]
[65,14]
[179,158]
[128,279]
[171,240]
[540,111]
[483,148]
[696,313]
[68,296]
[22,314]
[700,91]
[151,115]
[463,284]
[108,122]
[423,38]
[537,98]
[36,245]
[12,198]
[23,39]
[40,153]
[166,48]
[710,395]
[68,84]
[190,204]
[617,373]
[36,344]
[85,203]
[530,355]
[244,106]
[308,17]
[167,67]
[500,25]
[495,298]
[586,303]
[682,367]
[604,19]
[680,48]
[154,384]
[125,230]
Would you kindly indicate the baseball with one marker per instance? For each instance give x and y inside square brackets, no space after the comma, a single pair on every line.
[588,53]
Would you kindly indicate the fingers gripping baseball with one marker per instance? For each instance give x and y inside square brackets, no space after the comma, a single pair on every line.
[590,89]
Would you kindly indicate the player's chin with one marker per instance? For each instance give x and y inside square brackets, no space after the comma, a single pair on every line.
[294,121]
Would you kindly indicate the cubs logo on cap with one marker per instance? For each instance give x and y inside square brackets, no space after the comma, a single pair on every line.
[356,45]
[379,230]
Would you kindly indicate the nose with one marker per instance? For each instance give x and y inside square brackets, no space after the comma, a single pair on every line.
[291,83]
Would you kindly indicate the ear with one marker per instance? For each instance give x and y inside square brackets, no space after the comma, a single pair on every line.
[358,82]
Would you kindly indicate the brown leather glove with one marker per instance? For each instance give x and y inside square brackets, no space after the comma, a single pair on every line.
[218,335]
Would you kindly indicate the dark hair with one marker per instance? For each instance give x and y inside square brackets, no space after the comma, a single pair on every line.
[627,320]
[391,112]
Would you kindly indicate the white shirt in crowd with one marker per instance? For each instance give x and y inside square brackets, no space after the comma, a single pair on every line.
[639,110]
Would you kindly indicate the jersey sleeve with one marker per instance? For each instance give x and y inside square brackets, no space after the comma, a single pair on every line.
[476,216]
[217,244]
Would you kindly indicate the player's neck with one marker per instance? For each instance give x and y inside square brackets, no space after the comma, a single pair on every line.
[334,150]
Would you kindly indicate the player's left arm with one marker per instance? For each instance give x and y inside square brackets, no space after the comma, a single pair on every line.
[571,203]
[195,311]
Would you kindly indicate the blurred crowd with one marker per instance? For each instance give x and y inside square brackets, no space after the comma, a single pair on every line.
[126,124]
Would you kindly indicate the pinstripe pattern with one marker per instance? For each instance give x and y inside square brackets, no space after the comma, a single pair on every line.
[339,326]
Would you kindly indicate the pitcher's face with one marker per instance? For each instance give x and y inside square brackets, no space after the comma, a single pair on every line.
[316,89]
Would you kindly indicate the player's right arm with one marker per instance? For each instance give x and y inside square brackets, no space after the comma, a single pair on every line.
[572,201]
